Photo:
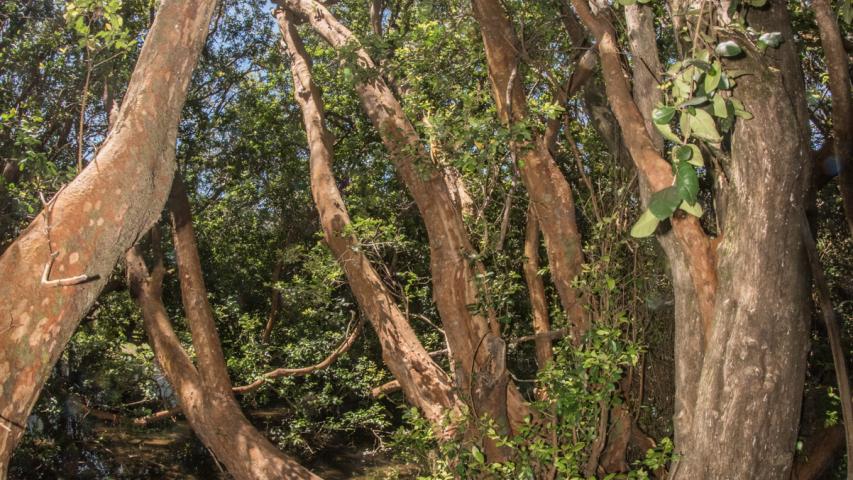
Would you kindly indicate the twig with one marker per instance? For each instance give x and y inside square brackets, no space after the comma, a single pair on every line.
[60,282]
[290,372]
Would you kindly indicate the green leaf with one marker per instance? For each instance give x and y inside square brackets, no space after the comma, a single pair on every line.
[627,2]
[666,131]
[663,114]
[695,209]
[694,101]
[664,202]
[696,160]
[720,109]
[645,225]
[713,77]
[686,182]
[757,3]
[728,49]
[702,126]
[478,455]
[740,111]
[683,153]
[771,39]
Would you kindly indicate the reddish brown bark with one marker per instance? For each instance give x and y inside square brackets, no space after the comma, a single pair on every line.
[97,217]
[656,171]
[451,253]
[536,291]
[204,391]
[423,381]
[550,193]
[837,63]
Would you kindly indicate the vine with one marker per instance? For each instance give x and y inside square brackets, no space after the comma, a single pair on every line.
[699,109]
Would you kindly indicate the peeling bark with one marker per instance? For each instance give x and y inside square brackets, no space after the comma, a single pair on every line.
[97,217]
[423,381]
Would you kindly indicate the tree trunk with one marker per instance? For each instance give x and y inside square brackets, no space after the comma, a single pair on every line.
[536,291]
[550,193]
[451,254]
[750,390]
[96,218]
[204,393]
[751,292]
[423,381]
[837,63]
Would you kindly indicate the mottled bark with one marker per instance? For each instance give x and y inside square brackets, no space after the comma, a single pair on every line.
[838,67]
[97,217]
[550,193]
[204,391]
[451,254]
[423,381]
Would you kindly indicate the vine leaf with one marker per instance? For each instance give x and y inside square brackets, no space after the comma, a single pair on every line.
[645,225]
[664,202]
[687,182]
[702,126]
[728,48]
[695,209]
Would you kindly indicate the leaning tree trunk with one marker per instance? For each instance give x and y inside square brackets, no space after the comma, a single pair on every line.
[423,381]
[95,219]
[204,392]
[550,194]
[473,338]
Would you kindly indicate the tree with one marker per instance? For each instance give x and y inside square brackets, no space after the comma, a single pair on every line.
[204,391]
[55,269]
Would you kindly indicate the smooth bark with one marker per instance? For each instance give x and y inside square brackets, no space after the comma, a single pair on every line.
[452,257]
[204,391]
[550,193]
[423,381]
[96,218]
[536,291]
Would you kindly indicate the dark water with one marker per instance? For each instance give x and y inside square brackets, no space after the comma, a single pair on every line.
[171,451]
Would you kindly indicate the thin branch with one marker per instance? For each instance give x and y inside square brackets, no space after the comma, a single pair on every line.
[292,372]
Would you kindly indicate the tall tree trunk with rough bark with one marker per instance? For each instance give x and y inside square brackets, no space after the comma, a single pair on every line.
[204,391]
[423,382]
[52,274]
[746,374]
